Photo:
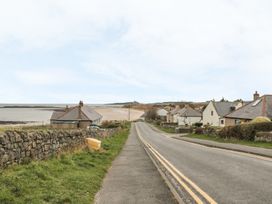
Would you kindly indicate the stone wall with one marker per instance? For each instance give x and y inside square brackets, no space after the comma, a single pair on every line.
[19,146]
[263,137]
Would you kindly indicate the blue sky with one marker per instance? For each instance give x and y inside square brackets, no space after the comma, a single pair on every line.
[63,51]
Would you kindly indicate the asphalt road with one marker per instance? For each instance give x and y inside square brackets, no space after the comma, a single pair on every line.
[228,177]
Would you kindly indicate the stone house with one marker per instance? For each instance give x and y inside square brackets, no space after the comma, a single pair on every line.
[215,112]
[172,115]
[188,116]
[80,116]
[261,106]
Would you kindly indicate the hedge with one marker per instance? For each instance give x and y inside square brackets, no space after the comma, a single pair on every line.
[244,131]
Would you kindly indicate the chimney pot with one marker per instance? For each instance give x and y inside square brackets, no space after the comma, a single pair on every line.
[80,103]
[256,96]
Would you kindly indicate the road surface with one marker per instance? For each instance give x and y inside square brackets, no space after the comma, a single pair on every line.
[226,176]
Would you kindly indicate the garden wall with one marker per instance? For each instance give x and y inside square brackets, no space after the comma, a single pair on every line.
[18,146]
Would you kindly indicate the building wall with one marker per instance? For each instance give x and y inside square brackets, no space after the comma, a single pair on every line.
[188,120]
[80,124]
[229,121]
[162,113]
[170,118]
[208,118]
[64,125]
[84,124]
[235,121]
[175,118]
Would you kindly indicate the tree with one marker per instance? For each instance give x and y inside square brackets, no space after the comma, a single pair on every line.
[151,114]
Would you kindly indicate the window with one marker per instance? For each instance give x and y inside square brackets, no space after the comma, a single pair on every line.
[237,122]
[211,113]
[222,122]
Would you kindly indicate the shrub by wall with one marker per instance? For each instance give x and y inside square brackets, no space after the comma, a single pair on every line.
[244,131]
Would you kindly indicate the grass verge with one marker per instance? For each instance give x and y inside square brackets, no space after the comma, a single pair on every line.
[72,178]
[266,145]
[165,129]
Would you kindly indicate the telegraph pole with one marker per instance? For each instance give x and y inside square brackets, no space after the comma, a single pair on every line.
[128,112]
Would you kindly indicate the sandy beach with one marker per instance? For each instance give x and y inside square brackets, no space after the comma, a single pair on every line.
[119,113]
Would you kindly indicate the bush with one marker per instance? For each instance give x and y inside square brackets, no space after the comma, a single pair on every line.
[245,131]
[110,124]
[209,130]
[198,124]
[199,131]
[183,130]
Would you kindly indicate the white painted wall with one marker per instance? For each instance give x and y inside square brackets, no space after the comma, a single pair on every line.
[175,118]
[162,112]
[208,118]
[188,120]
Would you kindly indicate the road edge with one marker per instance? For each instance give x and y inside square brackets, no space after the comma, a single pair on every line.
[225,148]
[183,189]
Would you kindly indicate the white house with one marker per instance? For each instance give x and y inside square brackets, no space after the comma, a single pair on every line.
[214,114]
[162,114]
[188,116]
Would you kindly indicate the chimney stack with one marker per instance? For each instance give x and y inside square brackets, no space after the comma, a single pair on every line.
[80,103]
[256,96]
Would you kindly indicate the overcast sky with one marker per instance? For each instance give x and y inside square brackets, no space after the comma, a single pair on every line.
[63,51]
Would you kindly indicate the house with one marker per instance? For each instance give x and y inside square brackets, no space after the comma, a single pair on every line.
[215,112]
[188,116]
[80,116]
[162,114]
[172,115]
[261,106]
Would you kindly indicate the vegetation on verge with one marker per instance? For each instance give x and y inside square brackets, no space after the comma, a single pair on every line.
[72,178]
[244,131]
[231,140]
[166,129]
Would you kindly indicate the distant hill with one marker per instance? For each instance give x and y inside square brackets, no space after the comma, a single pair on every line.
[125,103]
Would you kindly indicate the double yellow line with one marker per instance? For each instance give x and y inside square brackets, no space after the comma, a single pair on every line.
[179,177]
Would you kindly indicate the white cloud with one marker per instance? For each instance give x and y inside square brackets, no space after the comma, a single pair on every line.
[195,49]
[47,76]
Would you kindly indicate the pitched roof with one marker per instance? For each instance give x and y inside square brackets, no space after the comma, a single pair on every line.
[189,112]
[175,111]
[162,112]
[259,107]
[76,113]
[224,108]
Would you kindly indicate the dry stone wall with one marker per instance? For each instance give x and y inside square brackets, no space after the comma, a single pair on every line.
[18,146]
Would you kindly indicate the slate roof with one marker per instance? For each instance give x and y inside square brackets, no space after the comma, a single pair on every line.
[189,112]
[175,111]
[224,108]
[76,113]
[259,107]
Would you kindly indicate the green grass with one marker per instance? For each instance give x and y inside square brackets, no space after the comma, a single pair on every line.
[72,178]
[21,127]
[233,141]
[165,129]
